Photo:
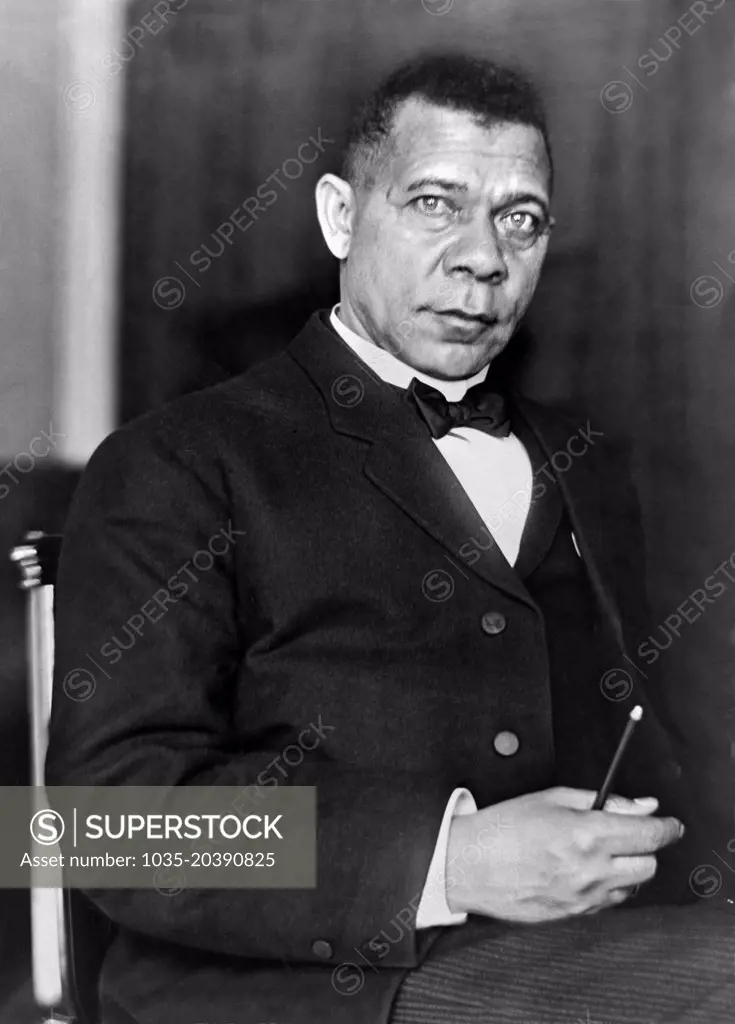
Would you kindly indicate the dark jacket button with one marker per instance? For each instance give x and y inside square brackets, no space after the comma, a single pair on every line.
[322,949]
[493,622]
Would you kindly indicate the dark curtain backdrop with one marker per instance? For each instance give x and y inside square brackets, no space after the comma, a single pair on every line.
[622,327]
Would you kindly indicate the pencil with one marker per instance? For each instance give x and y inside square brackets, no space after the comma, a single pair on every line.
[604,792]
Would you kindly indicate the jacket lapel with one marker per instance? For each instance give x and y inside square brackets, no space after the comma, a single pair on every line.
[546,508]
[404,463]
[401,459]
[416,477]
[583,487]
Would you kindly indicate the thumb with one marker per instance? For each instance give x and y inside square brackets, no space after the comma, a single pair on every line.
[574,799]
[642,805]
[582,800]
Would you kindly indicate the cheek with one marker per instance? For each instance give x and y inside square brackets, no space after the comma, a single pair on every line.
[391,249]
[374,255]
[525,276]
[383,266]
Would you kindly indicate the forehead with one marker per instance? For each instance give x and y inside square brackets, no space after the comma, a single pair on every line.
[432,141]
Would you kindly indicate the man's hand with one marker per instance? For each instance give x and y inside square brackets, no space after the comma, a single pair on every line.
[545,856]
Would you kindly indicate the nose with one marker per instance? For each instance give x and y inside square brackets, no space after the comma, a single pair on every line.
[478,253]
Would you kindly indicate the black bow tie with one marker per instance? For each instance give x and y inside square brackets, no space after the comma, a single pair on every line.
[481,408]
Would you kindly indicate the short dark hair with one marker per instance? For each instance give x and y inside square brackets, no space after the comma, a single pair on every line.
[492,92]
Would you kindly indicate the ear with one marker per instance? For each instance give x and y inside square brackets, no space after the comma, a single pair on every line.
[335,208]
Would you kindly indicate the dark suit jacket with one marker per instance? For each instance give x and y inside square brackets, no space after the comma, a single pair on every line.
[321,612]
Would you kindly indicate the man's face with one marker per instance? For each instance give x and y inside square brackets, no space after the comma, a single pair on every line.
[448,242]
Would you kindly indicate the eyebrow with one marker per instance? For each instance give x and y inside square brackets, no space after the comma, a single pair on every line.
[443,183]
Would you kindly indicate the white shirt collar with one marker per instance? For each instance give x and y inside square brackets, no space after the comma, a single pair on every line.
[392,370]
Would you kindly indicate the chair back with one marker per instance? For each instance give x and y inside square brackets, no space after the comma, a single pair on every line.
[69,936]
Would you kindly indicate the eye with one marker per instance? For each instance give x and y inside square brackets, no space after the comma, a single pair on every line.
[520,226]
[434,206]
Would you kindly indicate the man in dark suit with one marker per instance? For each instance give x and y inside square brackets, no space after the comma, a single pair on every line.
[426,575]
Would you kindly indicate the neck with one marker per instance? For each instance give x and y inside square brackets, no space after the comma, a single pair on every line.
[350,319]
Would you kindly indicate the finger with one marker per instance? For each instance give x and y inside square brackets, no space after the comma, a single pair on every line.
[632,871]
[611,898]
[617,896]
[627,835]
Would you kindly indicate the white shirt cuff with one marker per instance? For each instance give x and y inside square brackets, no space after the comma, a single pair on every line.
[433,909]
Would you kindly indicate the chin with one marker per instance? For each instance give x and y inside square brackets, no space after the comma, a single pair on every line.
[455,360]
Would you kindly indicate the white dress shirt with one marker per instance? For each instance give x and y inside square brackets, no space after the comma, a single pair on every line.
[497,475]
